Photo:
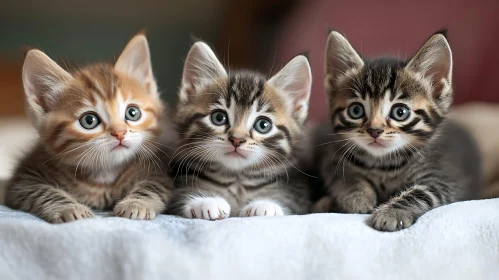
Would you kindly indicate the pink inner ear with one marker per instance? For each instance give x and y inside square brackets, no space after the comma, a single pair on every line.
[190,91]
[33,97]
[297,100]
[439,71]
[297,108]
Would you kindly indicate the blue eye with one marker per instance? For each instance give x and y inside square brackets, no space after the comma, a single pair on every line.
[356,111]
[219,118]
[400,112]
[89,121]
[263,125]
[132,113]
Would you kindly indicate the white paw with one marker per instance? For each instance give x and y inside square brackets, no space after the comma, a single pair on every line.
[262,208]
[134,209]
[71,212]
[207,208]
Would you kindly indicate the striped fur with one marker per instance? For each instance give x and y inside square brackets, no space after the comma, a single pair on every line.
[397,168]
[215,179]
[115,164]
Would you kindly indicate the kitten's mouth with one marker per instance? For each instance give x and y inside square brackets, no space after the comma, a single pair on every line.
[235,154]
[376,144]
[119,147]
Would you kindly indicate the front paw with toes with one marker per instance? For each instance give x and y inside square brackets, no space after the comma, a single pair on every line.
[262,208]
[358,204]
[135,210]
[71,212]
[386,218]
[207,208]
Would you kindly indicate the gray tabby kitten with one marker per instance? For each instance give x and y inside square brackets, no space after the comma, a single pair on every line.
[239,136]
[394,154]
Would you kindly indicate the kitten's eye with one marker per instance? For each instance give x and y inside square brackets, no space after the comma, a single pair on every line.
[400,112]
[263,125]
[219,118]
[132,113]
[89,121]
[356,111]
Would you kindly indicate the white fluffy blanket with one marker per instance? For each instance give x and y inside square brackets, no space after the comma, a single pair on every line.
[459,241]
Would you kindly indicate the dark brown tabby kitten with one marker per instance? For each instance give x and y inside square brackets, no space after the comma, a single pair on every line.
[394,154]
[239,136]
[98,129]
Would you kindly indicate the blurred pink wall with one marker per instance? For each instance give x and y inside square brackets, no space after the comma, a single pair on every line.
[399,28]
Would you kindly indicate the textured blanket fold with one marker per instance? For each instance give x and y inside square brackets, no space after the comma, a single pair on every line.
[458,241]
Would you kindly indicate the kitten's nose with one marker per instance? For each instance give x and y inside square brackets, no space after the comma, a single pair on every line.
[236,142]
[375,132]
[120,135]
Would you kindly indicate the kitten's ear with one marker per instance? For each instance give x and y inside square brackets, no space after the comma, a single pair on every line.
[43,81]
[434,61]
[201,66]
[135,61]
[340,55]
[295,82]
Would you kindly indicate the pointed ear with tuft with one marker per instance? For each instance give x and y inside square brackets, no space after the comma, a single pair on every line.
[340,56]
[43,81]
[135,61]
[434,61]
[294,81]
[201,66]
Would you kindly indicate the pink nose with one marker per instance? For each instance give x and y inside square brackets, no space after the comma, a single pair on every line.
[120,135]
[236,142]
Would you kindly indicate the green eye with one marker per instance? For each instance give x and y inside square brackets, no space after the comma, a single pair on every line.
[219,118]
[263,125]
[356,111]
[89,121]
[132,113]
[400,112]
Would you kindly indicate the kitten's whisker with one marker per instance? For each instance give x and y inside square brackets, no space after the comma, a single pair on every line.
[66,152]
[332,158]
[177,152]
[340,133]
[334,142]
[185,156]
[157,143]
[281,163]
[208,155]
[343,157]
[153,155]
[82,157]
[293,165]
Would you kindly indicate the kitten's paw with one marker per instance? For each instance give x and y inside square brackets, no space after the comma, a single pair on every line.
[262,208]
[386,218]
[71,212]
[357,203]
[134,209]
[323,205]
[207,208]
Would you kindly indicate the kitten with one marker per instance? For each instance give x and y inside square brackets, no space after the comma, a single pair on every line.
[239,136]
[393,152]
[97,145]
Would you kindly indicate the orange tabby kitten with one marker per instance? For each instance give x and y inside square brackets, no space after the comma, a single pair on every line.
[97,149]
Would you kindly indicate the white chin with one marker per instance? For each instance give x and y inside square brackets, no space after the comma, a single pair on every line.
[380,151]
[377,151]
[117,157]
[235,163]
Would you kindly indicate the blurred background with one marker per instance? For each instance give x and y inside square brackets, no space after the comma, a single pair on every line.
[261,34]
